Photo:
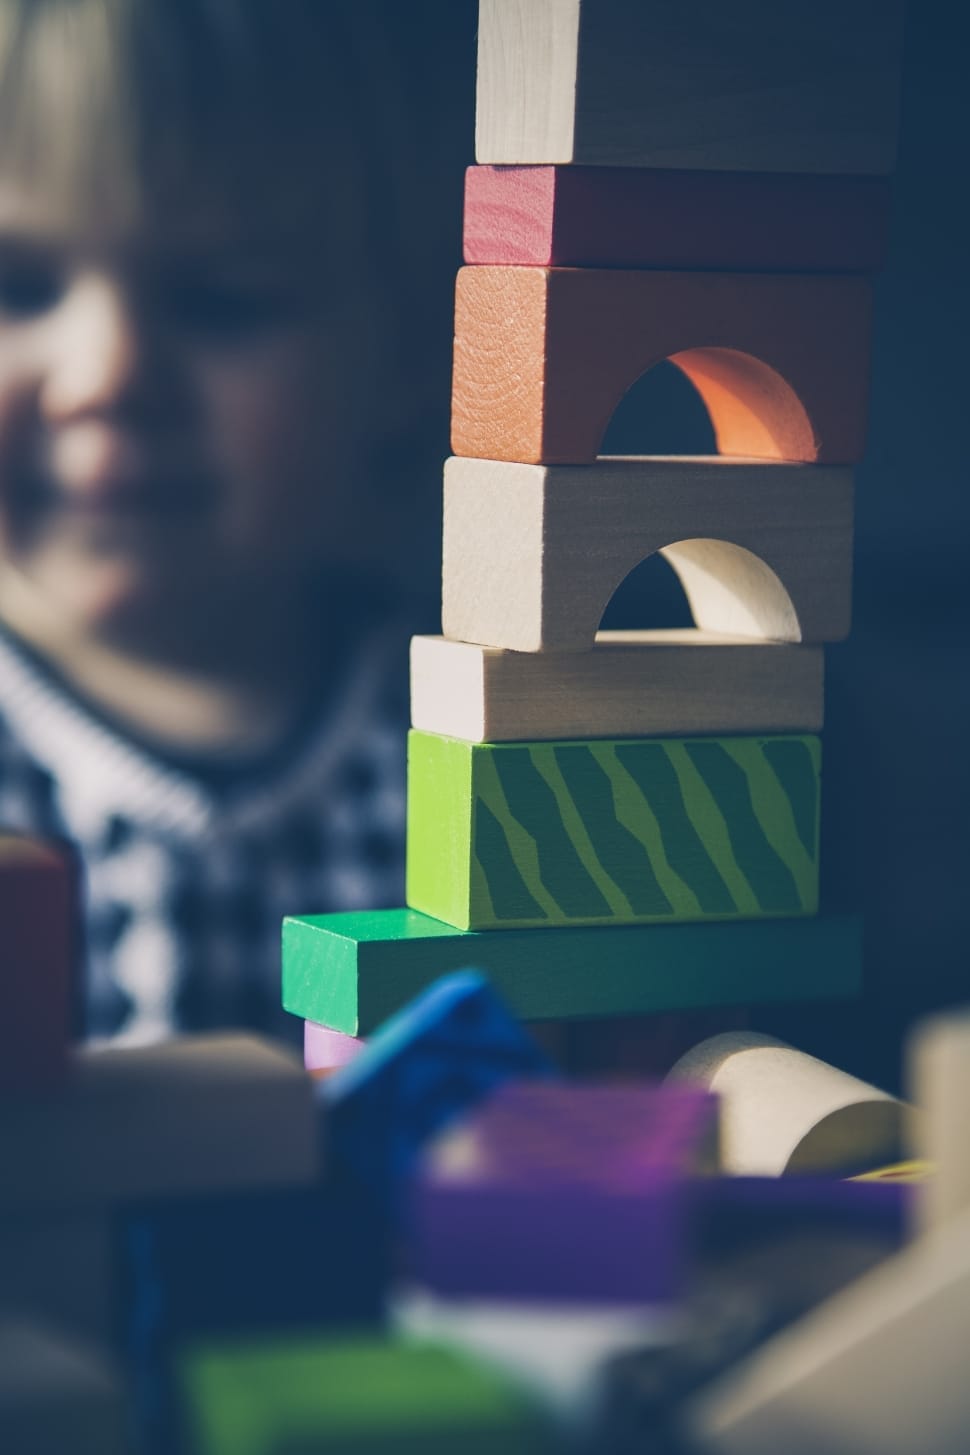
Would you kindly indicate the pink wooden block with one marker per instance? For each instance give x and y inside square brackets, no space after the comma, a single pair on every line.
[325,1050]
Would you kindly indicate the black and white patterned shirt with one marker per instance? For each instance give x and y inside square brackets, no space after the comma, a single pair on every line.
[186,879]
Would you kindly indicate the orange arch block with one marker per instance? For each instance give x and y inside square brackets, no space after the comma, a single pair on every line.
[543,357]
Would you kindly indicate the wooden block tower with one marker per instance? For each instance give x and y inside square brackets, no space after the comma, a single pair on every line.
[611,823]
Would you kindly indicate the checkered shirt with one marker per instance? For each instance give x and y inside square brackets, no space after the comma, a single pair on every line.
[185,884]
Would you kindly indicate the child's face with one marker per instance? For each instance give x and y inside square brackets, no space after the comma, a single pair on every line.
[184,414]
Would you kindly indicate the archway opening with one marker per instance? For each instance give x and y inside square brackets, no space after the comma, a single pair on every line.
[706,401]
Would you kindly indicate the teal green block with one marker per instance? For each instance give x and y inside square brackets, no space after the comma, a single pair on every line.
[351,971]
[624,832]
[366,1395]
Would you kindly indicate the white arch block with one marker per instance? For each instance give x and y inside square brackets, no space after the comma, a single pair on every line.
[785,1111]
[533,553]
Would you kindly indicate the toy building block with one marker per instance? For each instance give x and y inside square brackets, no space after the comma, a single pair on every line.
[631,684]
[598,832]
[621,217]
[543,357]
[367,1395]
[352,970]
[880,1369]
[58,1395]
[556,1192]
[554,1351]
[57,1265]
[783,1111]
[197,1114]
[325,1050]
[939,1078]
[38,943]
[760,88]
[533,553]
[432,1061]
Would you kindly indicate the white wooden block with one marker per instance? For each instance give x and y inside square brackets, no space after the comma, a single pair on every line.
[632,684]
[533,553]
[750,86]
[783,1111]
[939,1078]
[197,1114]
[57,1396]
[880,1369]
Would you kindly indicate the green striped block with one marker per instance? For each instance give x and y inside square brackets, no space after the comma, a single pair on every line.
[634,831]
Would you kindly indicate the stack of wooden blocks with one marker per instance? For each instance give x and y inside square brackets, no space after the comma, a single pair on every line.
[655,182]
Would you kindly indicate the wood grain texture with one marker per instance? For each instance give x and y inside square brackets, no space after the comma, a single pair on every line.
[620,217]
[196,1114]
[532,554]
[632,684]
[615,1159]
[38,946]
[629,831]
[756,87]
[938,1057]
[543,357]
[783,1111]
[879,1369]
[352,970]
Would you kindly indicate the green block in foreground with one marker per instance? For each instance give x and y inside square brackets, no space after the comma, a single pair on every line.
[353,1395]
[612,832]
[351,971]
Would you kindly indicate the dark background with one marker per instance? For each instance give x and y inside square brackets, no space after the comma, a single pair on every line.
[896,795]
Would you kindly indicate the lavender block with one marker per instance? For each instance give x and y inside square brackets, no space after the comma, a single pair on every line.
[564,1192]
[325,1050]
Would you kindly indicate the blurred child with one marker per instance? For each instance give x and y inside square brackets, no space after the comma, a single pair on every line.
[217,344]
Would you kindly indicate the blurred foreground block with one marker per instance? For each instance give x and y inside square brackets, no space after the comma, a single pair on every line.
[350,971]
[57,1397]
[572,1193]
[198,1114]
[307,1396]
[38,934]
[881,1369]
[939,1075]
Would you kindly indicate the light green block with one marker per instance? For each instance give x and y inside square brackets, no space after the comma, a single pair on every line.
[311,1394]
[351,971]
[624,832]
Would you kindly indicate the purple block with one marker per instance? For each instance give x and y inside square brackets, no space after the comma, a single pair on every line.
[564,1192]
[325,1050]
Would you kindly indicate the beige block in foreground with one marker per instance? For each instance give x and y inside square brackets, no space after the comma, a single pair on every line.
[785,1111]
[939,1080]
[632,684]
[194,1115]
[880,1369]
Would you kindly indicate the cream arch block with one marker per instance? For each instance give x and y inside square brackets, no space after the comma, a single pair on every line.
[783,1111]
[533,553]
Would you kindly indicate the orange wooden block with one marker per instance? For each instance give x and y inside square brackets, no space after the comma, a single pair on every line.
[544,355]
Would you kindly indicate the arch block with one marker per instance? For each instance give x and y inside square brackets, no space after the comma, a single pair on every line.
[612,831]
[533,553]
[543,357]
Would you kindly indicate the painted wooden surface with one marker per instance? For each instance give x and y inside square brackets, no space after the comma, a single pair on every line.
[445,1051]
[612,831]
[543,357]
[532,554]
[880,1369]
[505,1201]
[783,1111]
[939,1082]
[352,970]
[358,1393]
[325,1050]
[196,1114]
[620,217]
[756,87]
[631,684]
[38,945]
